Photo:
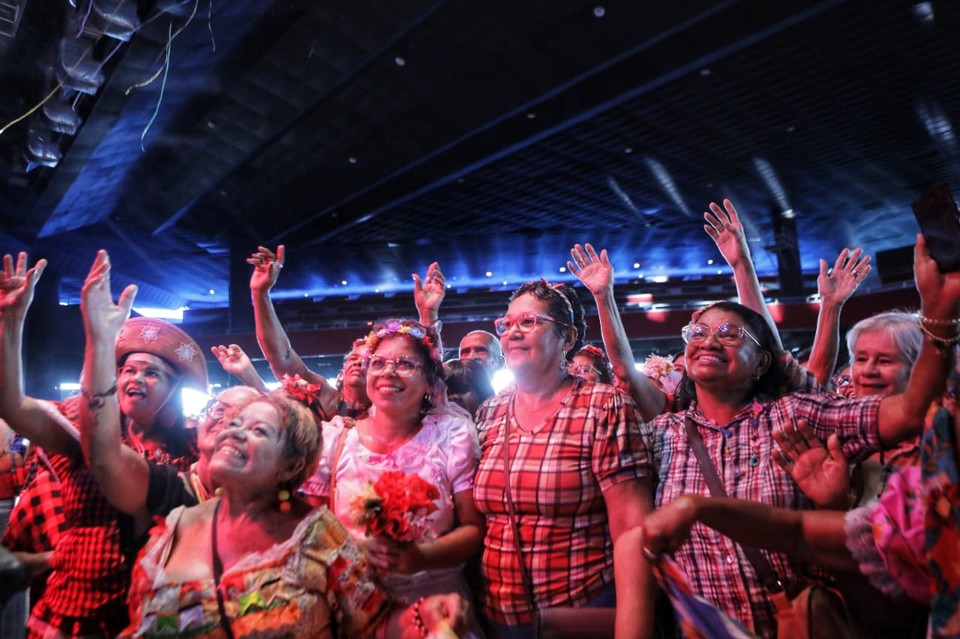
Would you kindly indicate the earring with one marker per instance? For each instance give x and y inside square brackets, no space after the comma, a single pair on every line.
[284,498]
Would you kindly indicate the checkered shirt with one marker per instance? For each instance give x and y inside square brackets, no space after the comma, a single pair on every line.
[717,568]
[558,474]
[92,562]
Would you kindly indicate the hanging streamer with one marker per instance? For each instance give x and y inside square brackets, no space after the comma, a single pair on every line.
[163,86]
[170,39]
[32,110]
[213,41]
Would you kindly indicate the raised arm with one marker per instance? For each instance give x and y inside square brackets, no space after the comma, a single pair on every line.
[235,361]
[724,227]
[273,339]
[24,414]
[596,273]
[428,294]
[835,286]
[122,474]
[902,416]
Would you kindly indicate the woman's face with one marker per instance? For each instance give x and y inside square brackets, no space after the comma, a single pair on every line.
[218,415]
[878,367]
[145,383]
[250,448]
[582,366]
[354,367]
[538,350]
[396,382]
[710,362]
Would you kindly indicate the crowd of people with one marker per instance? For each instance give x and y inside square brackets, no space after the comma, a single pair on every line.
[407,499]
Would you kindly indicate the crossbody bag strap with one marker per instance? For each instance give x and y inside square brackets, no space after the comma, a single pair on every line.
[218,573]
[512,514]
[761,566]
[341,440]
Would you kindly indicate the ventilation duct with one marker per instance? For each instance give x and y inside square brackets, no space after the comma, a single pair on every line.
[78,70]
[41,148]
[61,118]
[118,17]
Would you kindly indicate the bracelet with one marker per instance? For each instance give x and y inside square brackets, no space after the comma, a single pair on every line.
[940,341]
[417,619]
[935,322]
[95,400]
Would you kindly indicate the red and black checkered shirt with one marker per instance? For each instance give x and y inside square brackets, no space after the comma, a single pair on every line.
[92,562]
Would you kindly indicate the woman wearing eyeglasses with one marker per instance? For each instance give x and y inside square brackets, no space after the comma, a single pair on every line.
[414,429]
[735,381]
[591,364]
[557,452]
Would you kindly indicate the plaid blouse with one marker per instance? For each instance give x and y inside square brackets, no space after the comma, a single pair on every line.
[717,568]
[92,562]
[558,474]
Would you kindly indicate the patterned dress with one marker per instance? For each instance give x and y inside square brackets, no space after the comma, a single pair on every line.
[316,584]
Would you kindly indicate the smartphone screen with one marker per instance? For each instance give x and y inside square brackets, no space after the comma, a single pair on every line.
[939,220]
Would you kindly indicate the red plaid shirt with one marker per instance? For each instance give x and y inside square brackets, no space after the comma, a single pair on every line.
[717,568]
[91,571]
[558,474]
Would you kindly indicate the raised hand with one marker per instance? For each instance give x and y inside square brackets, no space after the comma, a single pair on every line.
[266,268]
[428,293]
[233,359]
[724,227]
[939,292]
[101,317]
[17,284]
[595,271]
[820,471]
[836,285]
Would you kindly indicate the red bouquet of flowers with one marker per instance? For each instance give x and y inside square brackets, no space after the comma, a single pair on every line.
[395,506]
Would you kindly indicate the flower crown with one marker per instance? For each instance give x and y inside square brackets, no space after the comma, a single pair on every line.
[596,352]
[304,392]
[415,330]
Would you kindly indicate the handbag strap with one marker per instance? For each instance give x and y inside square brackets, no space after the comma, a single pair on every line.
[218,573]
[761,566]
[512,515]
[341,440]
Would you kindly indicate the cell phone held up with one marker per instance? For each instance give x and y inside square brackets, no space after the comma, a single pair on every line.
[939,220]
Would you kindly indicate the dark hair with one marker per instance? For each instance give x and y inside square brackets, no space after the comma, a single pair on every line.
[425,342]
[600,362]
[772,382]
[563,305]
[465,375]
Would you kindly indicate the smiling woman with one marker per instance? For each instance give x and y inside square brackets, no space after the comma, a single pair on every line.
[737,406]
[557,452]
[414,430]
[86,591]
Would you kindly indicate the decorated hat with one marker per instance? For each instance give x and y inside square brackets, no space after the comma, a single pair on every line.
[169,342]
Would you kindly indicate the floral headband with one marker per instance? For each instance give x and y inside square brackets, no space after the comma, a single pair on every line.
[304,392]
[596,352]
[415,330]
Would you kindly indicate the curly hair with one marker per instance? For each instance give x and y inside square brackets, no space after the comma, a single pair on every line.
[425,341]
[563,305]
